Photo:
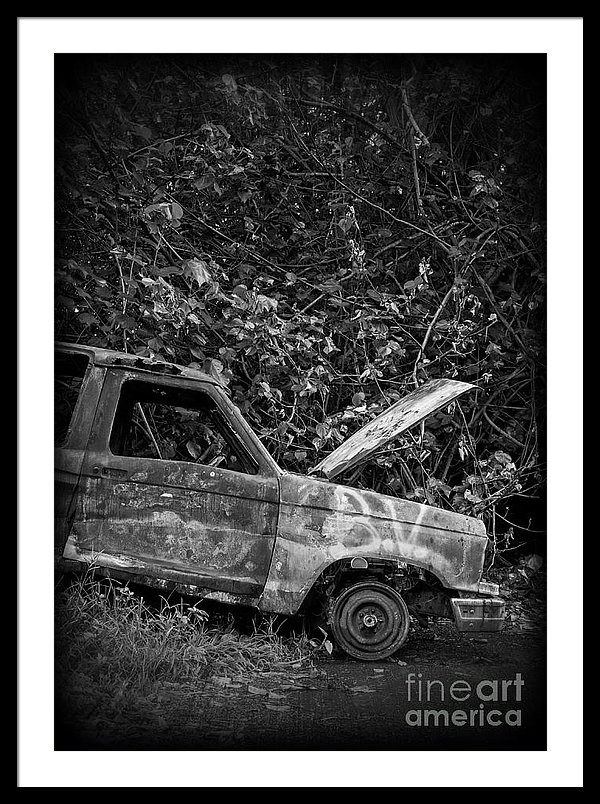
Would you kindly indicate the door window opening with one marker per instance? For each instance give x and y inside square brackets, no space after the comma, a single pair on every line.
[176,424]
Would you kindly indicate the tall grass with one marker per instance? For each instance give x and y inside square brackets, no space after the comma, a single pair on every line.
[109,636]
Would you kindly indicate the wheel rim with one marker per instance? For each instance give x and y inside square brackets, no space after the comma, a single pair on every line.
[370,621]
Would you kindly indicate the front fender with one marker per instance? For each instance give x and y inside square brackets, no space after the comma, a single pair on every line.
[321,523]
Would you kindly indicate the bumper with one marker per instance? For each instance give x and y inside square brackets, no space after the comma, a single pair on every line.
[478,613]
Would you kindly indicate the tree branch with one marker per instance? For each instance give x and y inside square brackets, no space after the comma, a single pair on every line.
[414,123]
[429,331]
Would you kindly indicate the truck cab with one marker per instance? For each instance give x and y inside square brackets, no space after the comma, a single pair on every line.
[161,481]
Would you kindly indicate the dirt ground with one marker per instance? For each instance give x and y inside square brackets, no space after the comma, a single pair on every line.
[407,702]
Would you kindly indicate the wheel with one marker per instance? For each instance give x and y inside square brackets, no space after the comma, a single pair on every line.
[370,621]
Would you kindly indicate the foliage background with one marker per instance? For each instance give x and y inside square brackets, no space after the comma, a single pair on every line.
[323,234]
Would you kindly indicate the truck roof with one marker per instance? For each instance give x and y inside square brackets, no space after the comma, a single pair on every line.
[111,357]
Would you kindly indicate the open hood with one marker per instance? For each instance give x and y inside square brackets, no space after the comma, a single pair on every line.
[402,415]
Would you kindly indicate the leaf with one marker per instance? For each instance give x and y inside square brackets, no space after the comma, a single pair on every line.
[215,369]
[205,181]
[66,302]
[534,562]
[176,211]
[229,82]
[125,321]
[162,208]
[193,449]
[264,303]
[198,270]
[322,430]
[490,202]
[144,132]
[168,271]
[257,690]
[197,353]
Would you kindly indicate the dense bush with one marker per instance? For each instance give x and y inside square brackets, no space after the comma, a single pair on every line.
[322,234]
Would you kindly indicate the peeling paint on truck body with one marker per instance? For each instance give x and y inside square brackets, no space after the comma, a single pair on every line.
[321,523]
[237,528]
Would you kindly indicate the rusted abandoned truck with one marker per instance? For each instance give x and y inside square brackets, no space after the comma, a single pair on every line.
[161,481]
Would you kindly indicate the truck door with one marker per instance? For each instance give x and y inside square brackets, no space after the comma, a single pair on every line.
[172,489]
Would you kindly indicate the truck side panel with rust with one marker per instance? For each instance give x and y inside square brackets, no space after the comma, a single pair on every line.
[179,521]
[321,523]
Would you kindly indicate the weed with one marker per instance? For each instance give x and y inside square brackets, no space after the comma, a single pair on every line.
[109,636]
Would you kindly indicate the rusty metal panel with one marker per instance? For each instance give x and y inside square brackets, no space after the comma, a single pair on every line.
[110,357]
[178,524]
[404,414]
[478,614]
[323,522]
[185,522]
[68,458]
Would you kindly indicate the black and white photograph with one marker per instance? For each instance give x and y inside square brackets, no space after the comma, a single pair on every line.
[301,439]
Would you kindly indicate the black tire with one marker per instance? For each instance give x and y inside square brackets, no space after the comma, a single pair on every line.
[370,621]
